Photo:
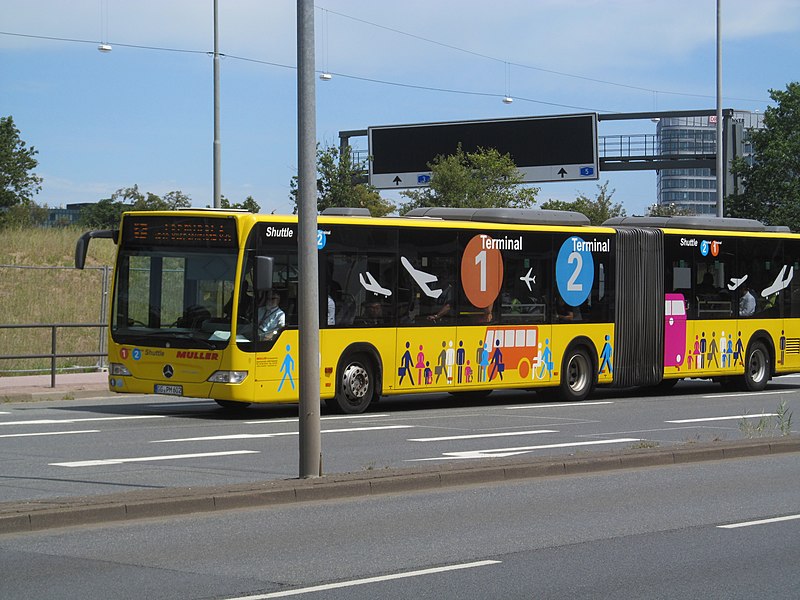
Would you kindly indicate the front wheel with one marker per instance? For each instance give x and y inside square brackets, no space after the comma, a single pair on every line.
[756,367]
[577,376]
[356,386]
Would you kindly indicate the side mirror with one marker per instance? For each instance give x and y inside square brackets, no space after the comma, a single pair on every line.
[263,273]
[83,244]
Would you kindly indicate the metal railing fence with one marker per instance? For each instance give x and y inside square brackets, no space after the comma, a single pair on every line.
[54,354]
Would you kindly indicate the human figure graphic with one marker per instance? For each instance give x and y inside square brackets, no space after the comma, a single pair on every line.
[547,361]
[497,362]
[698,363]
[722,350]
[287,366]
[729,351]
[468,373]
[420,365]
[450,360]
[428,373]
[712,350]
[738,354]
[606,356]
[441,365]
[483,362]
[461,355]
[406,364]
[703,349]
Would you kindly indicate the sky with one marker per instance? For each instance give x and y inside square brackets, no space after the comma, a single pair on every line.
[143,113]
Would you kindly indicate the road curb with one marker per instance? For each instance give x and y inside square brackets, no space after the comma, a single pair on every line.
[21,517]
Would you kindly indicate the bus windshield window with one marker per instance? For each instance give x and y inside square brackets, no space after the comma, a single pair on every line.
[186,294]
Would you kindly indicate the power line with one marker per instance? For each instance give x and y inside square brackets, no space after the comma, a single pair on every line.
[524,66]
[385,82]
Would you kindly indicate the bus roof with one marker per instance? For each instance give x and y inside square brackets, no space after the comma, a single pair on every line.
[516,216]
[695,222]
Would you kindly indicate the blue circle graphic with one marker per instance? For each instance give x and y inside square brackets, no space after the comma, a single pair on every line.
[574,271]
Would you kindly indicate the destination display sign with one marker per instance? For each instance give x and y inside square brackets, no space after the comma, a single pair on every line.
[204,232]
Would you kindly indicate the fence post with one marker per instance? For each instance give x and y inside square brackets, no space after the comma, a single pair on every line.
[53,356]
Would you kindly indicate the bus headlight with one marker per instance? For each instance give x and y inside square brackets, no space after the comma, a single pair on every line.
[228,377]
[118,369]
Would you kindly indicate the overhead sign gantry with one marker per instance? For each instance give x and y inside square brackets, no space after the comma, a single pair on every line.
[553,148]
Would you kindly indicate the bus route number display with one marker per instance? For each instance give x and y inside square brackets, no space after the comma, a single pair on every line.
[183,231]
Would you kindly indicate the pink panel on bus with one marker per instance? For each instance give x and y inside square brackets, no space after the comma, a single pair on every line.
[674,330]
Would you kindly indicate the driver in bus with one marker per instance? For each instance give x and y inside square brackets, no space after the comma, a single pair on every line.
[271,318]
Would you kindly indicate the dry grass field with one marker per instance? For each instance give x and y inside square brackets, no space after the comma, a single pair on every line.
[32,294]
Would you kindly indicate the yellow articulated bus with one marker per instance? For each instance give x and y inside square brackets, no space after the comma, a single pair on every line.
[464,301]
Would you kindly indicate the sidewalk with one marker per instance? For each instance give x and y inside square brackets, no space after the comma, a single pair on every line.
[29,388]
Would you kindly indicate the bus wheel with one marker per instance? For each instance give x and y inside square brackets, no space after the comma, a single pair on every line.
[756,367]
[577,375]
[232,405]
[356,385]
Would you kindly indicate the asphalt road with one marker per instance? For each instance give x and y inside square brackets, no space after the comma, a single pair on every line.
[659,532]
[122,443]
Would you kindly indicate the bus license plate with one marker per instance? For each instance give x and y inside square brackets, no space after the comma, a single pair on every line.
[170,390]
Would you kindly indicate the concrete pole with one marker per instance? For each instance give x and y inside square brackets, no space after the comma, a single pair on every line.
[310,444]
[720,153]
[217,185]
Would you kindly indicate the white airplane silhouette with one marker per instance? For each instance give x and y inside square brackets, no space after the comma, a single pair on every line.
[780,283]
[372,285]
[735,283]
[528,279]
[421,278]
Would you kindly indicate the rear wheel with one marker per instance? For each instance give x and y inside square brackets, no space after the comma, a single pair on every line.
[756,367]
[356,385]
[577,375]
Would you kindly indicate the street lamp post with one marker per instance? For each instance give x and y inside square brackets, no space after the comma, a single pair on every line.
[217,186]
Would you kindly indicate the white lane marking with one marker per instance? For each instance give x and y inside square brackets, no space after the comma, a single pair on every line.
[481,435]
[295,419]
[86,420]
[561,405]
[14,435]
[119,461]
[730,418]
[368,580]
[749,394]
[250,436]
[4,412]
[759,522]
[504,452]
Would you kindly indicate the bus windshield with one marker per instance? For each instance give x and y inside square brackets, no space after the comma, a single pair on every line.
[174,297]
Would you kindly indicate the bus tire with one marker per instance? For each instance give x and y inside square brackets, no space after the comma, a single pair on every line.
[756,367]
[356,387]
[577,375]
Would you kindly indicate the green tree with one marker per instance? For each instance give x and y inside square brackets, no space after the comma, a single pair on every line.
[249,204]
[104,214]
[25,215]
[481,179]
[667,210]
[18,184]
[599,210]
[339,184]
[771,182]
